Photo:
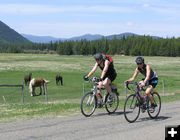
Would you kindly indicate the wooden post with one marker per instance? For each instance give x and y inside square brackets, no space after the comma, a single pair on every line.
[46,94]
[12,85]
[163,87]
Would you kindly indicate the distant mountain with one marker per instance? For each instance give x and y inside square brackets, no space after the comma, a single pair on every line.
[87,37]
[41,39]
[8,35]
[120,36]
[47,39]
[90,37]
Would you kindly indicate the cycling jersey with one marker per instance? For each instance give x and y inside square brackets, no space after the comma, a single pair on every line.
[153,80]
[143,72]
[111,72]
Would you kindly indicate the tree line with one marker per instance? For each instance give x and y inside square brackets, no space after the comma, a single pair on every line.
[132,45]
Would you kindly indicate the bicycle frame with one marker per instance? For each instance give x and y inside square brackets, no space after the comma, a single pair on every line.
[137,101]
[95,88]
[91,100]
[137,90]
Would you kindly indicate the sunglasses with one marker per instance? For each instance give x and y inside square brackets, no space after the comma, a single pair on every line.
[138,63]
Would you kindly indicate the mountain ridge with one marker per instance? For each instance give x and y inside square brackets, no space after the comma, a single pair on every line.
[9,35]
[89,37]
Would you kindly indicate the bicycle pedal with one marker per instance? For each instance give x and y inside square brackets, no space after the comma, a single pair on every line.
[143,110]
[151,110]
[99,106]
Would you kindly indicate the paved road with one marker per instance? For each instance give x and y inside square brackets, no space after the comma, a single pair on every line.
[100,126]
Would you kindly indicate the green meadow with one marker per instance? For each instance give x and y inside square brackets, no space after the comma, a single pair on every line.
[65,100]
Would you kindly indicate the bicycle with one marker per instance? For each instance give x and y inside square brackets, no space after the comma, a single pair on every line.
[137,101]
[96,99]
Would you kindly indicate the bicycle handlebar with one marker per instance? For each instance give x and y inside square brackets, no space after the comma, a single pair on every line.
[133,83]
[138,88]
[93,80]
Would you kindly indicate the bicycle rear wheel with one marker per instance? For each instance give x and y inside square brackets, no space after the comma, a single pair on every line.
[88,104]
[157,105]
[111,106]
[131,108]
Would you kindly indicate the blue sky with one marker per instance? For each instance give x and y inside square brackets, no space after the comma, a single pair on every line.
[68,18]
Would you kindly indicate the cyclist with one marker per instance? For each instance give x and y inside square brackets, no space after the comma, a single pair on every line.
[150,80]
[105,63]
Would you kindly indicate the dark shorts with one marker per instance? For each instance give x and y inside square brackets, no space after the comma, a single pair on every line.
[112,76]
[153,82]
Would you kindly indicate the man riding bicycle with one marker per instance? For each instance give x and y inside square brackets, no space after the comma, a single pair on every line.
[105,63]
[150,80]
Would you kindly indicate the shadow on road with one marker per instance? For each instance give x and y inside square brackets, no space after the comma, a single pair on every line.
[110,114]
[160,118]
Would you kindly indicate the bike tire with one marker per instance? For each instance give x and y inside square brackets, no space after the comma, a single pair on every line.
[157,101]
[111,107]
[88,104]
[131,108]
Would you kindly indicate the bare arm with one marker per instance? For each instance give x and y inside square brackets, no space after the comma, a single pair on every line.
[148,72]
[105,69]
[93,70]
[136,72]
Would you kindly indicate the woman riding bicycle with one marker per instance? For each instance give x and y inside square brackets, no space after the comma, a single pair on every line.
[150,80]
[105,63]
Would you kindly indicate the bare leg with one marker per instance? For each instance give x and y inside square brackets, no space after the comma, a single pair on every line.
[148,91]
[40,90]
[106,84]
[33,91]
[61,81]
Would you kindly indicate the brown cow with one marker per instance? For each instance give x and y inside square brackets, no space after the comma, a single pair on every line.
[37,82]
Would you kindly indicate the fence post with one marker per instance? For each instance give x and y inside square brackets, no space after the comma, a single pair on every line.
[125,90]
[83,89]
[163,87]
[46,94]
[22,87]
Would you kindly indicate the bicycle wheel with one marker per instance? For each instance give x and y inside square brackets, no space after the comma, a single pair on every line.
[88,104]
[111,106]
[157,105]
[131,108]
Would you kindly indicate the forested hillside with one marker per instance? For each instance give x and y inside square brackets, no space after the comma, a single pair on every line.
[11,41]
[134,45]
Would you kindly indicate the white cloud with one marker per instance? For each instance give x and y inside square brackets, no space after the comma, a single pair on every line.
[32,9]
[27,9]
[105,18]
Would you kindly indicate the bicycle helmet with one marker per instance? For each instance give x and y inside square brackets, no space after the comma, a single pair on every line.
[139,60]
[98,56]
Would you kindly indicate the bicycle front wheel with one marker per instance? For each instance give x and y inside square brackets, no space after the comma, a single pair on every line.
[131,108]
[88,104]
[154,112]
[111,106]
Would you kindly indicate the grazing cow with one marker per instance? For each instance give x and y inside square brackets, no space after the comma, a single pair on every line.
[58,79]
[27,78]
[37,82]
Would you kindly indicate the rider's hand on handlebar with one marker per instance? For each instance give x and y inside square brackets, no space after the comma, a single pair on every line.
[86,78]
[100,79]
[141,84]
[126,83]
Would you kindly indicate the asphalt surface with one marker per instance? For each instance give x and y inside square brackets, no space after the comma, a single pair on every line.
[100,126]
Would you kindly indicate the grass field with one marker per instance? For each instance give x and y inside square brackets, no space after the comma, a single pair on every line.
[65,99]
